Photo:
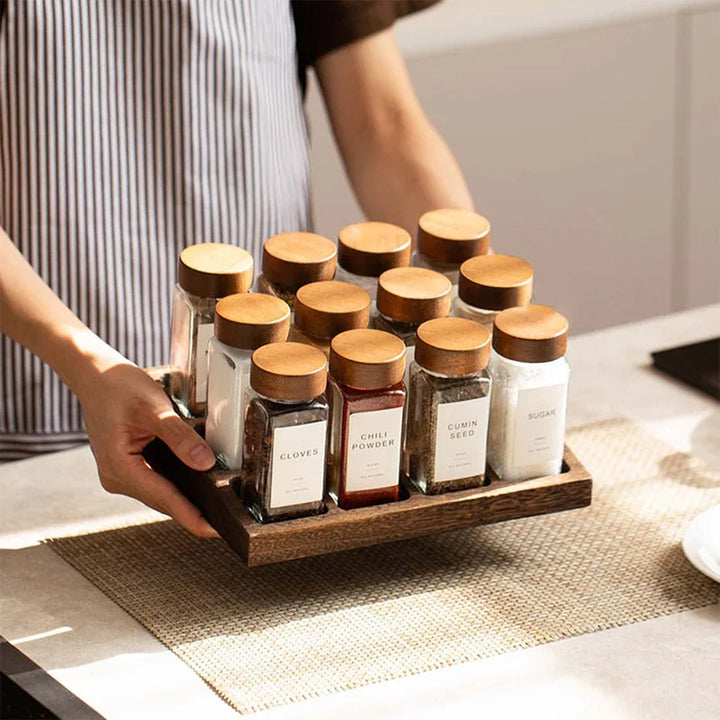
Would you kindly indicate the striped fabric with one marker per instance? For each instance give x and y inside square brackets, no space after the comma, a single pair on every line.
[129,130]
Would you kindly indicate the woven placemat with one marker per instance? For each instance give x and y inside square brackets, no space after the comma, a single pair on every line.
[277,634]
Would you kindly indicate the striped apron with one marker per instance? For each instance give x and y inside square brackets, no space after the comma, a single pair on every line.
[129,130]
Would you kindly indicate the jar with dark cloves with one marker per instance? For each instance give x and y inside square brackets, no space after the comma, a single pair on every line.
[243,323]
[206,273]
[492,283]
[291,260]
[447,238]
[448,406]
[367,249]
[367,397]
[325,309]
[407,297]
[284,457]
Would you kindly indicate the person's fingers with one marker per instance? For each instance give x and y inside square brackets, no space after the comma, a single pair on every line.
[156,492]
[184,441]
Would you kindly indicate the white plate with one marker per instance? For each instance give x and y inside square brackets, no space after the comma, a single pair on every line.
[702,542]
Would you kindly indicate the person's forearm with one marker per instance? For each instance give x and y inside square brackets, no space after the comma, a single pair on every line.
[397,163]
[406,170]
[33,315]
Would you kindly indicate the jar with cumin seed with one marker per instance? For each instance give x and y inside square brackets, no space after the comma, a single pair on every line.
[243,323]
[291,260]
[284,458]
[492,283]
[447,238]
[367,249]
[206,273]
[448,406]
[325,309]
[367,397]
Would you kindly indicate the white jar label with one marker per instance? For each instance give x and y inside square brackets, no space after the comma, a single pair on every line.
[204,335]
[539,425]
[461,438]
[373,449]
[298,464]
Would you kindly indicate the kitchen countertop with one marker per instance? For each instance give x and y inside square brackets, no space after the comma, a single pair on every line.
[662,668]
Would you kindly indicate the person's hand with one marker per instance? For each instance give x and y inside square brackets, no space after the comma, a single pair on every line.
[124,410]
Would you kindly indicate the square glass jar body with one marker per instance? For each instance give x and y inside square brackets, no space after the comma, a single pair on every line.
[228,381]
[447,425]
[192,328]
[486,318]
[264,285]
[345,402]
[527,417]
[450,270]
[366,282]
[263,466]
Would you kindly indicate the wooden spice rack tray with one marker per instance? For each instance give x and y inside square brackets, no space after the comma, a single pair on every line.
[415,514]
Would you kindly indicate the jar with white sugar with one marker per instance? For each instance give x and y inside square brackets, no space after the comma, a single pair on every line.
[490,284]
[529,399]
[243,323]
[206,273]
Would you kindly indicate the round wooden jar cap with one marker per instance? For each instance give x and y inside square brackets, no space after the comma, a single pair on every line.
[288,371]
[413,294]
[367,359]
[297,258]
[495,282]
[251,320]
[324,309]
[371,248]
[534,333]
[214,270]
[453,235]
[452,346]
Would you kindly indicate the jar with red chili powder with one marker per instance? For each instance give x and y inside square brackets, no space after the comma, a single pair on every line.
[367,399]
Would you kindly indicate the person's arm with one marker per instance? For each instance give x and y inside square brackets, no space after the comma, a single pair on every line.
[124,408]
[398,164]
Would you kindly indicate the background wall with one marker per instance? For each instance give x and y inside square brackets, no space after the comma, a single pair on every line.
[590,137]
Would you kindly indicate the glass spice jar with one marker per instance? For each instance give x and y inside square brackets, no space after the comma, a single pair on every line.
[367,396]
[326,308]
[530,381]
[291,260]
[284,457]
[447,238]
[448,406]
[206,273]
[243,323]
[367,249]
[407,297]
[492,283]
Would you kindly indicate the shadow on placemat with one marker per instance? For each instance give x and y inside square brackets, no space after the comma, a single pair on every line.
[271,635]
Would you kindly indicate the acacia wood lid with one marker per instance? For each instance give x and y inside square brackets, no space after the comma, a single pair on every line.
[250,320]
[495,282]
[533,333]
[324,309]
[297,258]
[413,294]
[371,248]
[214,270]
[288,371]
[452,346]
[367,359]
[453,235]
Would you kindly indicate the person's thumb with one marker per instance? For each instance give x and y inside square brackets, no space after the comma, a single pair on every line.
[184,441]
